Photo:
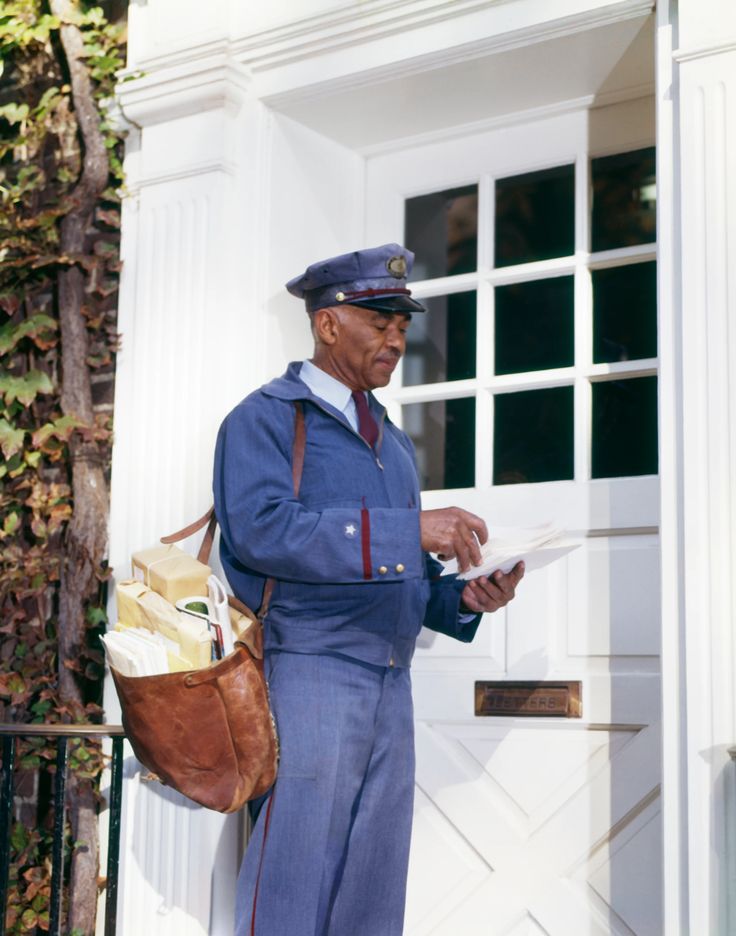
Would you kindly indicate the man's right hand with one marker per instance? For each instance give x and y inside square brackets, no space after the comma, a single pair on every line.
[451,533]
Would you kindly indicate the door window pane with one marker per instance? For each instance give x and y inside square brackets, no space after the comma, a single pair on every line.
[533,436]
[625,427]
[441,343]
[625,313]
[443,433]
[535,216]
[442,230]
[624,200]
[535,325]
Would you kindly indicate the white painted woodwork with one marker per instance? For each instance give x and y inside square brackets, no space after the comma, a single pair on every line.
[703,506]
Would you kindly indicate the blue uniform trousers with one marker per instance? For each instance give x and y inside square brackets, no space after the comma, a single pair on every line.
[334,861]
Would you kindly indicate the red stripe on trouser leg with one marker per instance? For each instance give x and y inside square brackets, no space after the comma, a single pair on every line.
[267,822]
[365,539]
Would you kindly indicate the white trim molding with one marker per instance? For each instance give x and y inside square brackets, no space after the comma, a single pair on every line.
[190,86]
[279,47]
[699,52]
[697,137]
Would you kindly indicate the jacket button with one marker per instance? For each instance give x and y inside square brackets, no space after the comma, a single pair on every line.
[382,570]
[391,662]
[400,568]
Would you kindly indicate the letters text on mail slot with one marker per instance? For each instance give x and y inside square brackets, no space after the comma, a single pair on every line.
[535,699]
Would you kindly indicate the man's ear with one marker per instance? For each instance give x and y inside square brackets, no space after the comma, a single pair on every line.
[326,325]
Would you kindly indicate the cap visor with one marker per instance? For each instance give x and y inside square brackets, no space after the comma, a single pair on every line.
[390,304]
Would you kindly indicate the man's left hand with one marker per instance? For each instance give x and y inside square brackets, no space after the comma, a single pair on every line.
[491,593]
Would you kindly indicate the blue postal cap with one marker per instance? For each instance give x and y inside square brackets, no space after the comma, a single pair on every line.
[374,278]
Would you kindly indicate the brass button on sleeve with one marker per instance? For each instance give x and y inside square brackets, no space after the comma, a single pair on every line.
[382,570]
[400,568]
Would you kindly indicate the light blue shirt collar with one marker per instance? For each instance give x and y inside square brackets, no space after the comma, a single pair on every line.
[331,390]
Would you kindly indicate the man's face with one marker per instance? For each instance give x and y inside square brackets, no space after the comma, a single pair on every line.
[367,345]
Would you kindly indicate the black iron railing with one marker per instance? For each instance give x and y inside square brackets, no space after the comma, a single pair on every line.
[62,734]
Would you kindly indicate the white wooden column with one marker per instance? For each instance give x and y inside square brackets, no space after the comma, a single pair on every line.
[192,337]
[699,472]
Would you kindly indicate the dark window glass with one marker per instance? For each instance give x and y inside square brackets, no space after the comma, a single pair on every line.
[442,230]
[535,216]
[625,427]
[441,343]
[443,433]
[625,313]
[624,200]
[533,436]
[535,325]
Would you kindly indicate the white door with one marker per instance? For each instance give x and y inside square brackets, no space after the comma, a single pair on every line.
[530,390]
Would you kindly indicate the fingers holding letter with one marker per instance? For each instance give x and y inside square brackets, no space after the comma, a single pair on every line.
[491,593]
[453,533]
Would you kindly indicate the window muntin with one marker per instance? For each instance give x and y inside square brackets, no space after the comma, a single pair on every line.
[566,335]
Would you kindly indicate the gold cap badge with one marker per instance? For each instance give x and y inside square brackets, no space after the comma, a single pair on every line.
[396,266]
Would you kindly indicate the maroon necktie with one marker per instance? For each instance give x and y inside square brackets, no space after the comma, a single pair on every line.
[367,425]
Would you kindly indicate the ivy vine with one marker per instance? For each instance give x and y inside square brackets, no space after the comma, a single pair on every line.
[42,158]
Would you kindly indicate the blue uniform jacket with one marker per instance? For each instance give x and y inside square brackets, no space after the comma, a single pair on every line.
[351,574]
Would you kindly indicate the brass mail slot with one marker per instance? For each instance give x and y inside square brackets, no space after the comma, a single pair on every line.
[547,699]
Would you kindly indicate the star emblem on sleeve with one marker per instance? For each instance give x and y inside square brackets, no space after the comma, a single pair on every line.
[350,529]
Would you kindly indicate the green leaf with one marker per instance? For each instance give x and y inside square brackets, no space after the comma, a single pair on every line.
[29,919]
[38,326]
[11,523]
[39,902]
[11,438]
[25,389]
[18,837]
[96,617]
[60,429]
[14,113]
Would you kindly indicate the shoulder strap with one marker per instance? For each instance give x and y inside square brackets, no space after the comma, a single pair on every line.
[209,537]
[297,467]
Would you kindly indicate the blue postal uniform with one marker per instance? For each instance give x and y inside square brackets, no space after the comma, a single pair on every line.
[353,591]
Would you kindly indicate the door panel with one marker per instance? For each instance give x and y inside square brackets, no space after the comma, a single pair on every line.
[528,825]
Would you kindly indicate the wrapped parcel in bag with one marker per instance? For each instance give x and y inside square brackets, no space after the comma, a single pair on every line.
[189,641]
[171,572]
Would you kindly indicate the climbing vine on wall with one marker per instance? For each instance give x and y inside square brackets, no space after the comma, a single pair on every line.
[60,179]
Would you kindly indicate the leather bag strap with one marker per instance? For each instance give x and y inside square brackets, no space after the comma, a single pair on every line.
[209,537]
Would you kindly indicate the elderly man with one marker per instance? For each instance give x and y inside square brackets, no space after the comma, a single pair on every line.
[354,585]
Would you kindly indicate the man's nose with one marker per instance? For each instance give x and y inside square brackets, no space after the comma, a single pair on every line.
[395,338]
